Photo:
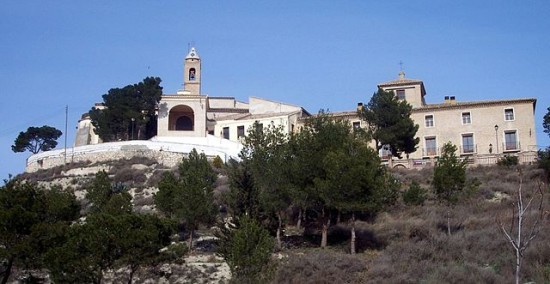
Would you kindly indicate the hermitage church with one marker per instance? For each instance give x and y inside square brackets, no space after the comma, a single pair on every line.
[482,130]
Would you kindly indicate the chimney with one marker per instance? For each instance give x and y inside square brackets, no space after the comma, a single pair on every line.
[453,100]
[446,99]
[359,106]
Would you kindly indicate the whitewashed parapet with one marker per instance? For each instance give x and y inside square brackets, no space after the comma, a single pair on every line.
[168,152]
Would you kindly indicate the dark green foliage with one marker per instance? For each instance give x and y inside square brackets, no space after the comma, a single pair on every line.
[167,198]
[449,175]
[145,236]
[450,179]
[390,123]
[321,135]
[415,195]
[36,139]
[197,183]
[243,196]
[265,151]
[127,109]
[106,241]
[546,122]
[355,181]
[247,248]
[31,220]
[174,252]
[107,197]
[334,171]
[508,161]
[191,196]
[544,162]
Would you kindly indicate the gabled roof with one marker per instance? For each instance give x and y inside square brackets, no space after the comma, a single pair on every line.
[247,116]
[229,110]
[458,105]
[402,81]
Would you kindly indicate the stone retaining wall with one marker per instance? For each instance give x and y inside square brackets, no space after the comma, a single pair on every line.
[166,153]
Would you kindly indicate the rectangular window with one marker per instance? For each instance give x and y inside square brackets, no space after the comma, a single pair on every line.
[240,131]
[431,148]
[400,94]
[356,125]
[226,132]
[466,118]
[510,141]
[467,143]
[509,114]
[429,120]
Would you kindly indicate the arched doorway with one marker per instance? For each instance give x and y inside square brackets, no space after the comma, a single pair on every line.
[181,118]
[184,123]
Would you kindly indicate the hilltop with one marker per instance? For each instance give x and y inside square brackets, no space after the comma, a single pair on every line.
[404,244]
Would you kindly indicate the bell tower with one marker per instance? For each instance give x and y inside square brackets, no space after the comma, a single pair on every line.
[192,73]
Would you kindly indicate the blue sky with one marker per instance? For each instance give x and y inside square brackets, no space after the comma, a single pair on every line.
[317,54]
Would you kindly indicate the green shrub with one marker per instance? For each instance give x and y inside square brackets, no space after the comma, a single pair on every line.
[247,248]
[217,162]
[415,195]
[544,162]
[175,252]
[508,161]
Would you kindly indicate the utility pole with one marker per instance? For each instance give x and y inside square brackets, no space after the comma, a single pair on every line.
[66,119]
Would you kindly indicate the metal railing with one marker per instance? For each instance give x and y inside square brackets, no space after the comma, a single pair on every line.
[430,152]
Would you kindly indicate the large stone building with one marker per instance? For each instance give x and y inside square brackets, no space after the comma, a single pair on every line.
[482,130]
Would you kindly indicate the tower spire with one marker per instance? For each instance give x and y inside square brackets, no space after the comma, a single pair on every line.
[401,72]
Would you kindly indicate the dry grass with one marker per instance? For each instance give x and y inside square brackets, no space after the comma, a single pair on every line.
[320,267]
[52,173]
[405,244]
[409,244]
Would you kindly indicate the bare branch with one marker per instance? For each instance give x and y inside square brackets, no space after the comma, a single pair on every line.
[515,235]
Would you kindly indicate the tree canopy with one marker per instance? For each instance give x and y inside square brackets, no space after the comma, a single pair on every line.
[325,168]
[449,174]
[31,219]
[247,248]
[107,197]
[449,178]
[129,112]
[189,197]
[390,124]
[36,139]
[546,122]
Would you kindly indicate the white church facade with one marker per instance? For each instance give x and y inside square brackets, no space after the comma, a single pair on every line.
[189,113]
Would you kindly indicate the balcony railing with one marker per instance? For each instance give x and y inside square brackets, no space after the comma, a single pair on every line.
[468,149]
[430,152]
[511,146]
